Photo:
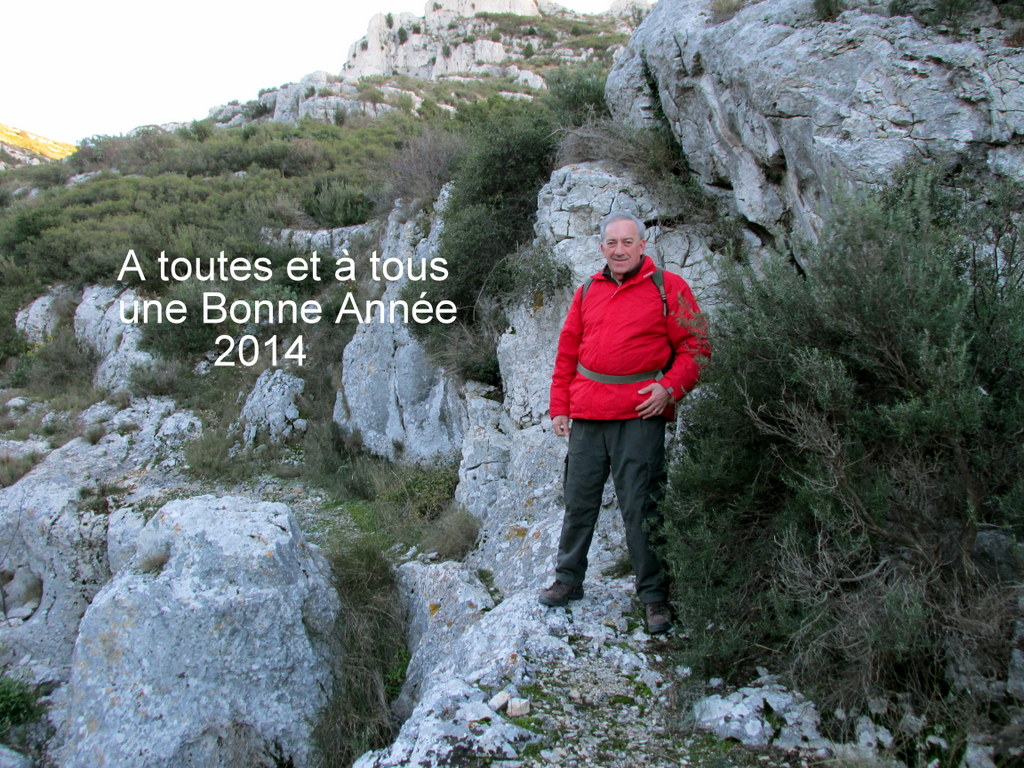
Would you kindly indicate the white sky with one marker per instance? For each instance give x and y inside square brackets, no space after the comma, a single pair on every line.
[105,67]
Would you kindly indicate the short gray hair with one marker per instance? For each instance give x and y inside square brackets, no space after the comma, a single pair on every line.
[622,216]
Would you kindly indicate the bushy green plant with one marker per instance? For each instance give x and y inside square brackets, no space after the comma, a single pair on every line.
[576,94]
[424,491]
[182,341]
[12,299]
[370,653]
[858,426]
[19,704]
[13,468]
[60,364]
[335,203]
[828,10]
[490,212]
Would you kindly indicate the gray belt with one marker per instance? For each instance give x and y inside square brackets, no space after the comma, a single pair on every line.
[632,378]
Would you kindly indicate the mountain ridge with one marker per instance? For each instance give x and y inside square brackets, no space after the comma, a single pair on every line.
[24,147]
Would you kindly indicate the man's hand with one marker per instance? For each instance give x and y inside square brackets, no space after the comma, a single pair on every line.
[660,398]
[561,425]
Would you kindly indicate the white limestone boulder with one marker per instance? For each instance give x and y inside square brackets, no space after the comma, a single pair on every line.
[271,411]
[211,648]
[98,324]
[40,318]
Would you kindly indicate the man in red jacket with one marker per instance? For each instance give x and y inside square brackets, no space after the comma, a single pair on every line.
[628,351]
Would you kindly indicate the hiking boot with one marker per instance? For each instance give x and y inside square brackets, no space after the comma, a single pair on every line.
[560,593]
[659,617]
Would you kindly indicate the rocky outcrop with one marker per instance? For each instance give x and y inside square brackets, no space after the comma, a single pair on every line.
[777,107]
[98,324]
[398,401]
[418,52]
[209,649]
[762,715]
[40,318]
[458,41]
[271,412]
[53,525]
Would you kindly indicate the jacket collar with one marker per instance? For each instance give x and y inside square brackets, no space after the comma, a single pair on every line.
[644,269]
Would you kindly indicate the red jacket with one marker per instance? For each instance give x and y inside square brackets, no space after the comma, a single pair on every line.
[621,330]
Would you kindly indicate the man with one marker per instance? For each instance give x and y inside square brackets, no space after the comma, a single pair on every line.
[628,351]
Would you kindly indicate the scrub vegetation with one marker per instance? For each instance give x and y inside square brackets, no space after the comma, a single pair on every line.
[853,451]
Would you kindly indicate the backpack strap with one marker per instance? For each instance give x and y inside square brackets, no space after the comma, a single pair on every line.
[659,280]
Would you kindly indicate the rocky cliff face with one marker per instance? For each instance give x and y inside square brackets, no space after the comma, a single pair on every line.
[189,633]
[512,42]
[776,108]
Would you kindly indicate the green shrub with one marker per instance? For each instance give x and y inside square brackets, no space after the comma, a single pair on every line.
[530,275]
[12,299]
[828,10]
[256,109]
[13,468]
[185,341]
[19,704]
[61,364]
[857,427]
[422,491]
[335,203]
[403,35]
[490,212]
[370,653]
[576,94]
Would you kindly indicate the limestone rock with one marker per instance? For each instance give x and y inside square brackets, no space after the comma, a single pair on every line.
[759,109]
[11,759]
[98,324]
[518,707]
[451,723]
[393,395]
[55,527]
[452,716]
[40,319]
[270,410]
[123,529]
[744,715]
[442,601]
[210,648]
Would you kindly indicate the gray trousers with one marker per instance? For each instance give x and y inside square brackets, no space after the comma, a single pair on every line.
[634,451]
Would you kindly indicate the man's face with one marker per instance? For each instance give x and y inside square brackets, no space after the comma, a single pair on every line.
[622,248]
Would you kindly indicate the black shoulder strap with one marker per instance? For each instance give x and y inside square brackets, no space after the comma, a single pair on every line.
[659,280]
